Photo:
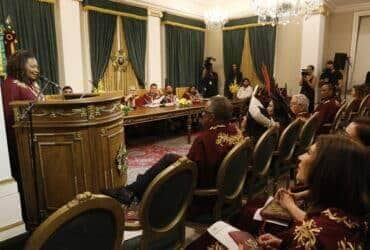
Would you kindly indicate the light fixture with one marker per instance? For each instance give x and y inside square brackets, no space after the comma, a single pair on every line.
[284,11]
[215,18]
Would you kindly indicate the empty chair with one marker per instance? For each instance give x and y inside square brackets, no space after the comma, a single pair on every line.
[307,134]
[338,119]
[229,185]
[364,106]
[283,156]
[262,156]
[87,222]
[163,207]
[349,112]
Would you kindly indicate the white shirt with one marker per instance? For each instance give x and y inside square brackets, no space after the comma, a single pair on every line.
[244,92]
[255,112]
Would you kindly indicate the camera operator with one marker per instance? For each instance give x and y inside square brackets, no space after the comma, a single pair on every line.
[333,76]
[308,84]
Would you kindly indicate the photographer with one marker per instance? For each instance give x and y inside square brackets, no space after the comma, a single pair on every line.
[308,84]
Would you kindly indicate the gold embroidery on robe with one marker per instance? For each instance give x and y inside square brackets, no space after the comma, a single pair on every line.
[344,219]
[305,234]
[216,127]
[223,139]
[347,245]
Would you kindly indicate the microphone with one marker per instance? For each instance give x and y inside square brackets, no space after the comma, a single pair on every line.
[46,80]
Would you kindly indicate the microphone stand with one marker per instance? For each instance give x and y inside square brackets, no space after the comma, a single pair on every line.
[28,112]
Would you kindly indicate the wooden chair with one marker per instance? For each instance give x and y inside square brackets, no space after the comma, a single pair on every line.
[229,185]
[307,134]
[283,156]
[364,106]
[262,157]
[141,92]
[87,222]
[349,112]
[180,91]
[163,207]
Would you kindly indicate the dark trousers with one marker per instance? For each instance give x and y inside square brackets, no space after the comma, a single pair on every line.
[143,180]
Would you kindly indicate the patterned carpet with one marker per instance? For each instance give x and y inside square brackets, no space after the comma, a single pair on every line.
[143,155]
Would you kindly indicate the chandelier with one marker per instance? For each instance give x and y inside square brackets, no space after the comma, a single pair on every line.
[215,18]
[284,11]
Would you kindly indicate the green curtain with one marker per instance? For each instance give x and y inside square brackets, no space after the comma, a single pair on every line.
[135,36]
[233,48]
[34,25]
[102,28]
[262,42]
[184,56]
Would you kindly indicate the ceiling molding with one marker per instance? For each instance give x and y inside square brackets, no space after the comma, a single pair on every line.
[352,7]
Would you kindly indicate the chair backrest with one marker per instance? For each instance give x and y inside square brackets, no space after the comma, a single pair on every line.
[263,150]
[232,172]
[288,140]
[307,134]
[87,222]
[338,118]
[348,112]
[364,106]
[180,91]
[164,204]
[141,92]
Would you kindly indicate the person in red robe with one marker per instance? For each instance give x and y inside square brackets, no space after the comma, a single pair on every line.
[169,97]
[20,85]
[335,172]
[192,94]
[207,151]
[327,109]
[152,97]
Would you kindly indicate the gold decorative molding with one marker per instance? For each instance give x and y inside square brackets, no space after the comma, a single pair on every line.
[323,10]
[113,12]
[183,26]
[13,225]
[80,198]
[47,1]
[246,26]
[155,13]
[7,181]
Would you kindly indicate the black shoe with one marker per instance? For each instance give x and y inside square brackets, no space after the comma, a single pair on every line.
[120,194]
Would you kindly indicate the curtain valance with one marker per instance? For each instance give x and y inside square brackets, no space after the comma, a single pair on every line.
[183,22]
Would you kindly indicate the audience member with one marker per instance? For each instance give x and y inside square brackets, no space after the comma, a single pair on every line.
[308,85]
[209,82]
[153,97]
[192,94]
[234,76]
[327,109]
[67,90]
[299,106]
[333,76]
[359,129]
[246,90]
[358,93]
[169,97]
[207,151]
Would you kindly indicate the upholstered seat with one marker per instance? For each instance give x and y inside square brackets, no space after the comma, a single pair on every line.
[87,222]
[163,207]
[262,157]
[229,185]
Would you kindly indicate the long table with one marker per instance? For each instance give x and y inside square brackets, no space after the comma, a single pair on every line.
[142,115]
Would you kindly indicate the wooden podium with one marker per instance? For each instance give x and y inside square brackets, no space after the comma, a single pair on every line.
[79,146]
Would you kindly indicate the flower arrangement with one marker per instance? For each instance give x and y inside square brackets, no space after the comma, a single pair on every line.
[234,88]
[99,88]
[183,102]
[125,109]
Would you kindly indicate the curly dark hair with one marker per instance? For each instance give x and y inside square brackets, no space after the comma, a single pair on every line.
[16,65]
[339,175]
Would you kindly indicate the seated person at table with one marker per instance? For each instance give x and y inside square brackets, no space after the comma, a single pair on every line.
[169,96]
[359,129]
[131,98]
[246,90]
[299,106]
[151,98]
[67,90]
[328,107]
[192,94]
[334,170]
[207,151]
[358,93]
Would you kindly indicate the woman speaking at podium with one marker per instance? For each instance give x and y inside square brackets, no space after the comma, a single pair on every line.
[20,85]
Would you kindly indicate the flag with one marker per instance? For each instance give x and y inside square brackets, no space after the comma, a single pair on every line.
[266,78]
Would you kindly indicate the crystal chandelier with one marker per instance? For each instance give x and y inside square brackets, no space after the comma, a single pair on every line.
[215,18]
[284,11]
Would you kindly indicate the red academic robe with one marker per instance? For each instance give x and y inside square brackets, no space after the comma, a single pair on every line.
[208,151]
[14,90]
[144,100]
[327,110]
